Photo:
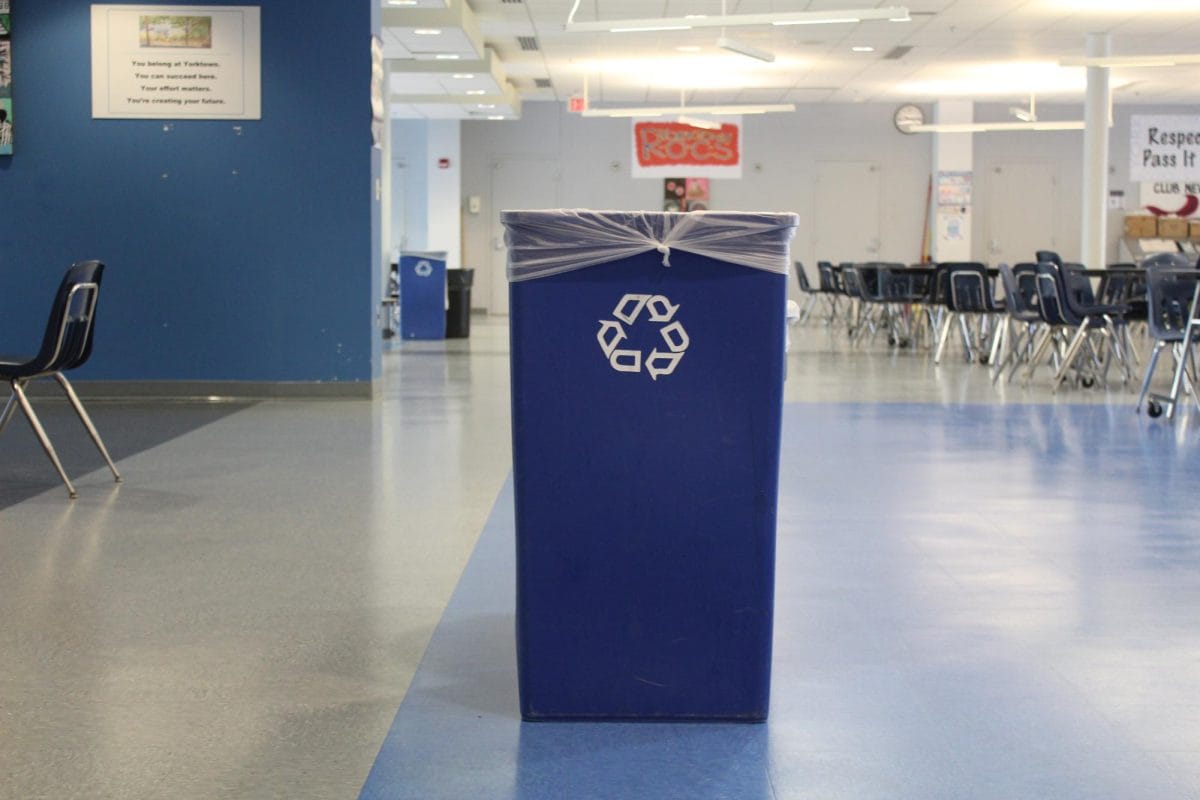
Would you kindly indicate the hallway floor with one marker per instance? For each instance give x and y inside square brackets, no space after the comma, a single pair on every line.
[980,593]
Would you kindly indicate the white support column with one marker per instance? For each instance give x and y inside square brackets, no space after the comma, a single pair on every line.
[1096,112]
[952,153]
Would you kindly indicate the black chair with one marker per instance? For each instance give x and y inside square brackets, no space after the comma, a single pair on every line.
[1171,284]
[811,296]
[830,287]
[66,345]
[1048,256]
[1065,300]
[1020,301]
[966,289]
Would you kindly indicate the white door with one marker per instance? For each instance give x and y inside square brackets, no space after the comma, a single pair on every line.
[847,198]
[516,184]
[1020,211]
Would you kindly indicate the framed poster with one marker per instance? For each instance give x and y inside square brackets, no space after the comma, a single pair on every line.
[176,62]
[6,110]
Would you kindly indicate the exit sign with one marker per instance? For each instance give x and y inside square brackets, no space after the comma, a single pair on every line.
[577,104]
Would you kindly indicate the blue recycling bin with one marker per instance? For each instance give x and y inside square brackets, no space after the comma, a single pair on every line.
[423,295]
[647,356]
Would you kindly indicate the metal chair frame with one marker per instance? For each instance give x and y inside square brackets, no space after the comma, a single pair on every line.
[67,344]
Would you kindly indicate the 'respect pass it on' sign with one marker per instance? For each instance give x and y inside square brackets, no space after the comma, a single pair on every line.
[1164,148]
[665,148]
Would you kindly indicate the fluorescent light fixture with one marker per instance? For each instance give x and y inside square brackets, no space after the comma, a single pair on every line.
[462,76]
[496,117]
[862,49]
[1003,79]
[447,57]
[989,127]
[669,111]
[741,48]
[427,32]
[892,14]
[688,48]
[485,105]
[1154,60]
[1125,7]
[819,21]
[402,2]
[696,122]
[476,91]
[632,27]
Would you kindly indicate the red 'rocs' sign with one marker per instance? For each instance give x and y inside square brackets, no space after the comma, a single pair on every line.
[661,144]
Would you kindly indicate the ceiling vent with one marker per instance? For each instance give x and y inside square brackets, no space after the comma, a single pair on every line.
[542,83]
[528,43]
[897,53]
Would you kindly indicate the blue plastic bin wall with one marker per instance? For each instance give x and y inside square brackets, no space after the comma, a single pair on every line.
[423,295]
[646,404]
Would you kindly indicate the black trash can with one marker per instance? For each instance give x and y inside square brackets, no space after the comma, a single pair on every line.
[458,306]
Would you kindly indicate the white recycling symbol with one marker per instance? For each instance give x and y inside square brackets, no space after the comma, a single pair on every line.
[424,269]
[628,311]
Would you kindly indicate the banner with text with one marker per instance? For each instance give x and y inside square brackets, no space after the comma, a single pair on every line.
[1164,148]
[176,62]
[711,147]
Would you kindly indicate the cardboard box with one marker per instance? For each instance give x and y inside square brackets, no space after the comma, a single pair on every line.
[1172,228]
[1194,230]
[1141,226]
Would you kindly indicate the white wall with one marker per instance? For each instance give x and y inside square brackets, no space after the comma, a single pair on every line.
[428,214]
[782,151]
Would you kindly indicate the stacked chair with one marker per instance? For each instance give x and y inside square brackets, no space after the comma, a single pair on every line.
[1071,314]
[1171,285]
[966,290]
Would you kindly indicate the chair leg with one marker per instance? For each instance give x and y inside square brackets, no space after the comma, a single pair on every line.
[40,432]
[943,335]
[87,422]
[968,347]
[1069,357]
[9,409]
[1039,351]
[1154,354]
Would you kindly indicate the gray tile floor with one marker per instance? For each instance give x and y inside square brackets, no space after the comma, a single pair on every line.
[242,617]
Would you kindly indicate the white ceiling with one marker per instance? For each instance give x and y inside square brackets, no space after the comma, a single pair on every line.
[1000,50]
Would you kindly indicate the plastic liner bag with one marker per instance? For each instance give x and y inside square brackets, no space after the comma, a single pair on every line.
[545,243]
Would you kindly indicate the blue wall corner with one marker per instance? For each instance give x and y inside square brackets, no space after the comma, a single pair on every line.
[236,250]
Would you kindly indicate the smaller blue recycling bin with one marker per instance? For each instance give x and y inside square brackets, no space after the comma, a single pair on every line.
[647,355]
[423,295]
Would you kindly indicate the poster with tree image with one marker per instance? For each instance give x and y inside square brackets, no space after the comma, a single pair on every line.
[6,111]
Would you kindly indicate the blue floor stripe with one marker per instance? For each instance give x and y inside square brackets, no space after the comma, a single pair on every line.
[975,601]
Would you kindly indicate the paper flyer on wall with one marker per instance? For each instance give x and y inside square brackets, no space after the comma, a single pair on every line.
[6,78]
[176,62]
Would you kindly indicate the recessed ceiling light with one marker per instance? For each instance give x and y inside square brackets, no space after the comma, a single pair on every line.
[447,56]
[427,31]
[863,49]
[463,75]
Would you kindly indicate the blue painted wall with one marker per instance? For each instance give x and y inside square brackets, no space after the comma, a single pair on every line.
[236,250]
